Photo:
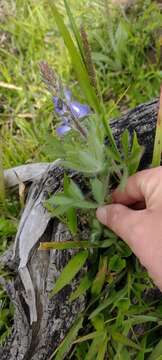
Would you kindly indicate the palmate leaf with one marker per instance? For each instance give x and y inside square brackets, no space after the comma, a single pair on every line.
[70,270]
[70,198]
[62,350]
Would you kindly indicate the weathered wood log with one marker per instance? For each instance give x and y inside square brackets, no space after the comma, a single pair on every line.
[40,322]
[24,173]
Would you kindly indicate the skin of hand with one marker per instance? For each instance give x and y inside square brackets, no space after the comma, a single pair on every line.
[135,215]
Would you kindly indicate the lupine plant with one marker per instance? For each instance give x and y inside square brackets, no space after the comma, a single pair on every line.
[85,145]
[126,50]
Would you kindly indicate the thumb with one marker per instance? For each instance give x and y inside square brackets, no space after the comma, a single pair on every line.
[122,220]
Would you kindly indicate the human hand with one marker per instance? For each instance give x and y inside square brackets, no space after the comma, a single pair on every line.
[141,229]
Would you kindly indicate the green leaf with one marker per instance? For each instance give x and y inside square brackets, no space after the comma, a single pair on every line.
[70,270]
[84,285]
[7,227]
[74,191]
[60,203]
[89,336]
[95,346]
[77,61]
[103,349]
[123,248]
[82,75]
[156,159]
[66,184]
[2,184]
[124,340]
[100,277]
[115,297]
[72,220]
[135,156]
[74,245]
[124,178]
[96,232]
[157,352]
[75,29]
[116,263]
[98,322]
[125,142]
[67,342]
[98,190]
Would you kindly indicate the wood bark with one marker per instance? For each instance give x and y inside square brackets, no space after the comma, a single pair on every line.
[36,340]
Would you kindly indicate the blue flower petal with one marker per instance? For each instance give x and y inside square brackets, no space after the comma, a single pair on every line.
[61,130]
[67,94]
[79,110]
[60,107]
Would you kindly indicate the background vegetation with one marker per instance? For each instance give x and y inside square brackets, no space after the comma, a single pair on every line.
[126,50]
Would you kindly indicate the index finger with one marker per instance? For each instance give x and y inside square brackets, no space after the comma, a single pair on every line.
[138,187]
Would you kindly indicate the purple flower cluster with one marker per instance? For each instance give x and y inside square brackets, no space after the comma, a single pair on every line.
[69,110]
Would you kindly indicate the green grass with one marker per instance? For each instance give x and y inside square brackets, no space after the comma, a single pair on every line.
[127,55]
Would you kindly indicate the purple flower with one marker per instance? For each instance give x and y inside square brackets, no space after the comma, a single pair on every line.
[61,130]
[68,111]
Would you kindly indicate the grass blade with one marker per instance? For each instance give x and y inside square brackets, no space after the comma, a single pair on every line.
[67,342]
[158,136]
[76,61]
[103,348]
[82,75]
[70,270]
[84,285]
[75,29]
[95,346]
[156,352]
[2,185]
[74,245]
[120,338]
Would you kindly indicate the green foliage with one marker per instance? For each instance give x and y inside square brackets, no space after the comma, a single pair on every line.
[82,75]
[156,159]
[132,156]
[126,52]
[98,190]
[71,198]
[70,270]
[84,285]
[67,342]
[156,354]
[99,279]
[116,263]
